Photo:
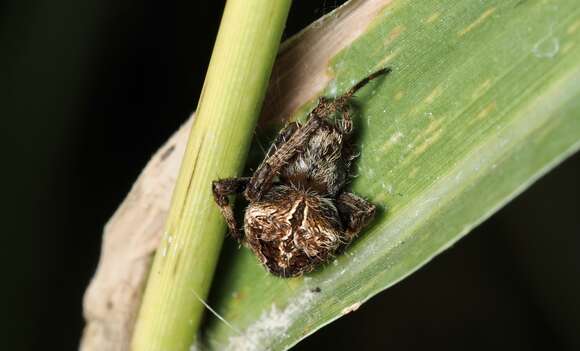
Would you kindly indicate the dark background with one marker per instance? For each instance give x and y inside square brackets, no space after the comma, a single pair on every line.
[90,89]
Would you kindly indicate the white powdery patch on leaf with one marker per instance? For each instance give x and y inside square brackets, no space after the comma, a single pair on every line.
[271,326]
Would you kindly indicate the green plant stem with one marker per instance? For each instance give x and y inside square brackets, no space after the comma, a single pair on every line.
[230,103]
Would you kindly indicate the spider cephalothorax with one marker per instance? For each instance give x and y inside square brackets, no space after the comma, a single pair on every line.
[298,214]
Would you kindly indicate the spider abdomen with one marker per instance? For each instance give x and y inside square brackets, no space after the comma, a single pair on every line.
[292,231]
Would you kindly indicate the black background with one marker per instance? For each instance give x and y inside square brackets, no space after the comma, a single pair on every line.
[90,89]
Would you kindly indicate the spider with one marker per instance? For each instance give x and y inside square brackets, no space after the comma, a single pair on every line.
[298,214]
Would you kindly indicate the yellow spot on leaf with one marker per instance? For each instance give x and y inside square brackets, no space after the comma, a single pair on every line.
[573,27]
[567,47]
[433,95]
[394,34]
[399,95]
[417,108]
[238,296]
[295,283]
[388,58]
[435,124]
[486,110]
[433,17]
[426,138]
[477,22]
[428,142]
[389,38]
[480,90]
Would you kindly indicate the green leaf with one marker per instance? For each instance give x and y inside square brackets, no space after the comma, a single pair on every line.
[483,99]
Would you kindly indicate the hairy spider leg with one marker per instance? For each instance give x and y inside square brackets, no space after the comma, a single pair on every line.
[281,138]
[341,102]
[293,138]
[221,190]
[355,213]
[346,96]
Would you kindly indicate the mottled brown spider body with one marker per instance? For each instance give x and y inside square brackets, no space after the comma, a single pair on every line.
[291,230]
[298,214]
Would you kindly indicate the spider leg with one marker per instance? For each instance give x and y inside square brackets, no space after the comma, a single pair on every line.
[291,140]
[221,190]
[345,123]
[281,138]
[344,98]
[327,107]
[355,212]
